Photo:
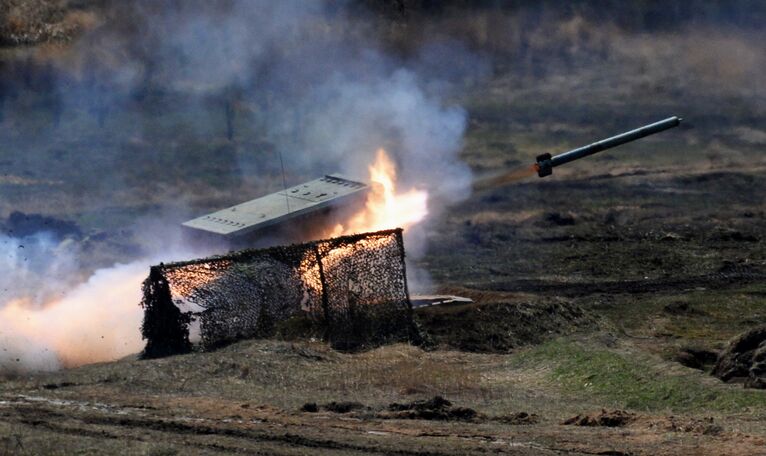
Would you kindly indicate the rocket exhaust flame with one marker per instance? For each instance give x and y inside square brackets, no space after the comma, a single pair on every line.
[515,174]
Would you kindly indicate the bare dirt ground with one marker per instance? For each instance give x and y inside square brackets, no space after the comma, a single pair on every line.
[248,399]
[588,284]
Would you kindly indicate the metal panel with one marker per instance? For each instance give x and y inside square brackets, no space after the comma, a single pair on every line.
[273,209]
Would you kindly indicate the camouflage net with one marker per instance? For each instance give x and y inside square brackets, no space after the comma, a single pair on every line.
[353,287]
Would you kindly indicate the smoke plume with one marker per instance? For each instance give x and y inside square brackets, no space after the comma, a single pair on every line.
[189,104]
[97,320]
[55,312]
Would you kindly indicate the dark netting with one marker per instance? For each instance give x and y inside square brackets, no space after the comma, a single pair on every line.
[353,287]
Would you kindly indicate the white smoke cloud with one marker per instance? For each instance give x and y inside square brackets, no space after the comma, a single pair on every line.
[355,118]
[53,314]
[98,320]
[38,267]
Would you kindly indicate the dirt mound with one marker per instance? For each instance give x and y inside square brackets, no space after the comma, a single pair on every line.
[744,359]
[705,426]
[436,408]
[334,407]
[343,406]
[519,418]
[499,327]
[696,358]
[310,407]
[558,219]
[614,418]
[681,308]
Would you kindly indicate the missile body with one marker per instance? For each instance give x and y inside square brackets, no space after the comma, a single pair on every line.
[546,163]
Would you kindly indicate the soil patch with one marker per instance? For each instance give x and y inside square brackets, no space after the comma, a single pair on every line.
[614,418]
[519,418]
[436,408]
[705,426]
[343,406]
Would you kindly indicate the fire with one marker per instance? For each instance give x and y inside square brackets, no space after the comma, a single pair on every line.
[334,257]
[184,281]
[386,208]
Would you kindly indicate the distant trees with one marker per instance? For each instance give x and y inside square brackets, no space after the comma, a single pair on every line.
[634,14]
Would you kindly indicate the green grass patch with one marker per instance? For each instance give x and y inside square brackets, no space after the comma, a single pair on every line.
[635,381]
[708,317]
[718,316]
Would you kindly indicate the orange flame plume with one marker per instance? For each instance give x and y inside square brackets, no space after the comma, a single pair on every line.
[385,207]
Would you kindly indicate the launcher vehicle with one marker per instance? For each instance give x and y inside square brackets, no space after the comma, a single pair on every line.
[241,225]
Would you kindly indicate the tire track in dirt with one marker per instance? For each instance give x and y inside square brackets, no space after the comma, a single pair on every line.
[716,280]
[97,421]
